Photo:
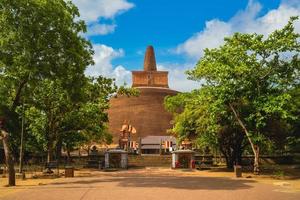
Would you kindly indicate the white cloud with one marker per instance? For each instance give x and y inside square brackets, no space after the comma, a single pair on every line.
[101,29]
[103,66]
[177,77]
[103,57]
[246,21]
[93,11]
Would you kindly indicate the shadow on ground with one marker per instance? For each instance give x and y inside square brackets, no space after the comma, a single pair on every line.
[187,183]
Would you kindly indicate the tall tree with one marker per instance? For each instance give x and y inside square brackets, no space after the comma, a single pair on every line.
[56,119]
[40,39]
[251,75]
[195,118]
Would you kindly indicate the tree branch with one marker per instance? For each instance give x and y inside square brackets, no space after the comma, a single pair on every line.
[18,94]
[236,115]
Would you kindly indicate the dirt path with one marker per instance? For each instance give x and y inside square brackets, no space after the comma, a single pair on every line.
[153,184]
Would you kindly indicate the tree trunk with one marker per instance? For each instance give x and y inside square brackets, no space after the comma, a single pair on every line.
[229,162]
[238,157]
[227,157]
[254,148]
[88,150]
[22,143]
[50,146]
[68,156]
[8,159]
[237,148]
[58,150]
[50,151]
[18,94]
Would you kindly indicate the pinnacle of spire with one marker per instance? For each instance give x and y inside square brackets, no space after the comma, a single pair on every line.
[149,61]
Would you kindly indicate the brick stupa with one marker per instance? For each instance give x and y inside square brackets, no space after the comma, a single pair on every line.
[150,77]
[146,112]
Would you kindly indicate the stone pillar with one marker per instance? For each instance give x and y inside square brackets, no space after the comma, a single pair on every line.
[174,159]
[124,160]
[160,149]
[106,160]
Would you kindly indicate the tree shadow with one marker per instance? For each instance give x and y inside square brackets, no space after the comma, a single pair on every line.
[185,182]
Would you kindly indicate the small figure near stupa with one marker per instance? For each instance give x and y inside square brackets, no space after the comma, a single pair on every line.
[125,136]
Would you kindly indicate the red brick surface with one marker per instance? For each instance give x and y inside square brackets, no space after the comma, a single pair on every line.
[149,61]
[145,112]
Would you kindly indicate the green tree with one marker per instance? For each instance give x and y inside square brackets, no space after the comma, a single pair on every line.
[50,103]
[56,119]
[196,119]
[251,75]
[293,139]
[87,119]
[39,39]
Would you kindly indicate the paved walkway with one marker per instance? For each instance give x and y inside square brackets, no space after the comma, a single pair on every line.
[152,185]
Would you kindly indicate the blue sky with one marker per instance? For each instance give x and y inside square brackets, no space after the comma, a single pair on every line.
[120,30]
[160,24]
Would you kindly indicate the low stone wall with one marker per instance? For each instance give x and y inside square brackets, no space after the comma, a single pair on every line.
[149,161]
[275,159]
[162,160]
[264,159]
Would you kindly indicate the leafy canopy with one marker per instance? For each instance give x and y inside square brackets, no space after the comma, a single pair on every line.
[253,73]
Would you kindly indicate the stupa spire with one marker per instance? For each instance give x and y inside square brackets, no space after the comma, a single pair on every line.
[149,61]
[150,77]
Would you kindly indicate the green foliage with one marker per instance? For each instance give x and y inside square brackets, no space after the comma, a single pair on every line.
[43,56]
[251,80]
[192,118]
[36,125]
[254,75]
[175,104]
[293,139]
[123,90]
[54,116]
[40,39]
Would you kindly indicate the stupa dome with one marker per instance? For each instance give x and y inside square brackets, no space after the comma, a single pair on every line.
[146,113]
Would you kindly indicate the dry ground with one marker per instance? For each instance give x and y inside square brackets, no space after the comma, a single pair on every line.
[152,184]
